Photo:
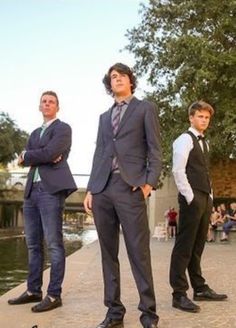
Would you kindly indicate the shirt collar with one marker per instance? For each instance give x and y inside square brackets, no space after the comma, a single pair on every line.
[126,101]
[46,124]
[195,132]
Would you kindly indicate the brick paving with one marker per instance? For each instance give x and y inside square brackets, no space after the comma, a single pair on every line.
[83,292]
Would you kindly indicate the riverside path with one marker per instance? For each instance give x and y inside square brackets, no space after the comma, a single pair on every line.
[83,292]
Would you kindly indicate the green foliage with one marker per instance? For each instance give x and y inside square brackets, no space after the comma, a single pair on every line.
[12,139]
[187,51]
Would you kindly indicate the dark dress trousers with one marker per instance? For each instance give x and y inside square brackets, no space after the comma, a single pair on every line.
[136,146]
[193,225]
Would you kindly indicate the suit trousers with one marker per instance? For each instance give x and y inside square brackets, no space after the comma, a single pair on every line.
[189,245]
[118,205]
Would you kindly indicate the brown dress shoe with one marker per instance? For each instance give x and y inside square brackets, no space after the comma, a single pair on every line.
[47,304]
[25,298]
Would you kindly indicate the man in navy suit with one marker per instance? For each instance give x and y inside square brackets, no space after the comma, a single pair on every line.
[49,183]
[126,167]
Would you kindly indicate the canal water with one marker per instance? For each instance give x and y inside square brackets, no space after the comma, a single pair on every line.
[13,256]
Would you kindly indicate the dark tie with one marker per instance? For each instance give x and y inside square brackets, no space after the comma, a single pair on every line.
[204,143]
[116,117]
[206,156]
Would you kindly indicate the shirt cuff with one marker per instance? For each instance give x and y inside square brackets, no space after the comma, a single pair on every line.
[23,154]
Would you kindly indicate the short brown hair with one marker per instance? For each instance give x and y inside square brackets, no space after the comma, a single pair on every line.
[200,105]
[50,93]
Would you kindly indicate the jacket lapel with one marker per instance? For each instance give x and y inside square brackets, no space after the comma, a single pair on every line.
[129,111]
[51,127]
[107,121]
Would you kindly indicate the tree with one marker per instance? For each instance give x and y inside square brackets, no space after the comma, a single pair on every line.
[12,139]
[187,50]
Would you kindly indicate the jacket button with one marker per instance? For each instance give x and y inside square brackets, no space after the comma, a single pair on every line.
[114,139]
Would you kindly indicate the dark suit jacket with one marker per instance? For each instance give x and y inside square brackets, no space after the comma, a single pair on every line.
[136,146]
[41,152]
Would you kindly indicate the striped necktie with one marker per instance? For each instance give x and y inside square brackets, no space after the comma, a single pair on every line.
[115,124]
[116,117]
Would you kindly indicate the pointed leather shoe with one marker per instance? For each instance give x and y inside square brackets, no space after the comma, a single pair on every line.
[209,295]
[47,304]
[149,322]
[185,304]
[25,298]
[111,323]
[151,325]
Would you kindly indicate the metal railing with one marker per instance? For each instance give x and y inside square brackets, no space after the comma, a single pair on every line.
[17,180]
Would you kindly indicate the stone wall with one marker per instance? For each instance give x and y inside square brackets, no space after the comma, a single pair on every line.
[223,174]
[160,201]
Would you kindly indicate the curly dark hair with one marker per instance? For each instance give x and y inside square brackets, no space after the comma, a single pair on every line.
[122,69]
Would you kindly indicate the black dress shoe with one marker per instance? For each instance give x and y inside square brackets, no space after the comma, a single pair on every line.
[148,322]
[152,325]
[208,295]
[111,323]
[47,304]
[185,304]
[25,298]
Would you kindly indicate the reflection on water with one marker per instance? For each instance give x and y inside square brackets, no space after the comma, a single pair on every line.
[13,257]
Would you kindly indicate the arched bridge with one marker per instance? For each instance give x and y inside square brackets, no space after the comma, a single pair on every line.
[12,195]
[16,196]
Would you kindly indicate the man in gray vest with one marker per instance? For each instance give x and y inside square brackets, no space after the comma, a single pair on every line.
[191,174]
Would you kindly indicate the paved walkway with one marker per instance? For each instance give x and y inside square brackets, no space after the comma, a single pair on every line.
[83,292]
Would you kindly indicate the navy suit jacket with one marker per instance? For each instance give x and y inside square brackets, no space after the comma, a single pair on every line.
[136,146]
[41,152]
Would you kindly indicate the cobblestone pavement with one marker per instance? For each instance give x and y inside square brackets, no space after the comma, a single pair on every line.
[83,292]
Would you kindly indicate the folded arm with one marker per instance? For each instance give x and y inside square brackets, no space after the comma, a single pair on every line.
[53,151]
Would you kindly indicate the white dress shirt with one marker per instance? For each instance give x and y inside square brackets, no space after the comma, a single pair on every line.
[181,149]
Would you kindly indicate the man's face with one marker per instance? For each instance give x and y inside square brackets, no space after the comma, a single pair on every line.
[120,84]
[200,120]
[48,107]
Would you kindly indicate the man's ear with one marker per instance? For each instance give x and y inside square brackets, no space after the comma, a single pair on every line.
[190,118]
